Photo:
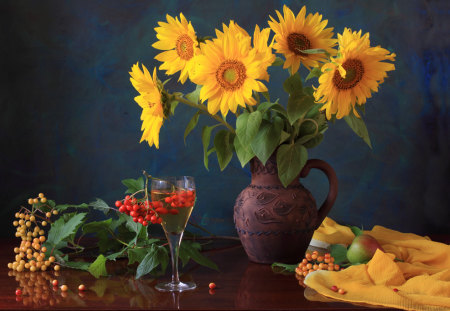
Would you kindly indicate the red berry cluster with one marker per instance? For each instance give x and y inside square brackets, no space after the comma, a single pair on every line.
[181,199]
[142,212]
[145,212]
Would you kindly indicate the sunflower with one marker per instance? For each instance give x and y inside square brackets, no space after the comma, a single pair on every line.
[296,33]
[229,69]
[150,101]
[349,79]
[177,38]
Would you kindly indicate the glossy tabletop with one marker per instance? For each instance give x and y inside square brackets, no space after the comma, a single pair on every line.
[241,285]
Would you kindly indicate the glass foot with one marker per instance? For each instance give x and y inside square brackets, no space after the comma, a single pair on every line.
[175,287]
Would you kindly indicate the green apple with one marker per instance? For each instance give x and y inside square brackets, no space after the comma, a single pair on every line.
[362,249]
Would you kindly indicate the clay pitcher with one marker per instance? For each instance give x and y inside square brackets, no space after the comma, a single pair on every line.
[274,223]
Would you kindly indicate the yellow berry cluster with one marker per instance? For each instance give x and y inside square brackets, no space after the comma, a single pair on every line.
[314,261]
[30,223]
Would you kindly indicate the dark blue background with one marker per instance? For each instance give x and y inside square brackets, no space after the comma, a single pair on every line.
[70,127]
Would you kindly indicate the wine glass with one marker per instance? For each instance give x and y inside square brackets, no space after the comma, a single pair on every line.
[173,199]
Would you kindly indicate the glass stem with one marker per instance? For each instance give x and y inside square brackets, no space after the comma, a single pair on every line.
[174,245]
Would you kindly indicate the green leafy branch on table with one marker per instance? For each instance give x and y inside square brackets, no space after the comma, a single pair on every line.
[118,237]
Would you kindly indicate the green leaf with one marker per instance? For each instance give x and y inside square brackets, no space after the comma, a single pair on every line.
[284,136]
[244,154]
[173,106]
[134,185]
[293,84]
[278,267]
[138,229]
[290,160]
[206,138]
[114,256]
[80,265]
[149,263]
[62,207]
[267,139]
[316,72]
[315,51]
[266,95]
[280,110]
[100,205]
[223,147]
[339,253]
[98,267]
[314,142]
[356,231]
[136,255]
[298,106]
[247,125]
[263,107]
[191,125]
[278,62]
[102,229]
[192,252]
[195,95]
[359,127]
[61,230]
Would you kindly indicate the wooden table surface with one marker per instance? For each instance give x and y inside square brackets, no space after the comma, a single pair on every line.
[241,285]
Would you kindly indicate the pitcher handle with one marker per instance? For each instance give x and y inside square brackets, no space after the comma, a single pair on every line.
[333,188]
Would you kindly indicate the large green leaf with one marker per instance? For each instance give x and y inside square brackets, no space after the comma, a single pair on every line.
[136,254]
[133,185]
[156,255]
[267,139]
[298,105]
[206,138]
[98,267]
[61,230]
[293,84]
[290,160]
[223,148]
[359,127]
[191,125]
[244,154]
[314,142]
[247,125]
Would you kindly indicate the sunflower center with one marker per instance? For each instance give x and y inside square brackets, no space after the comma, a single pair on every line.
[355,72]
[231,75]
[185,47]
[298,42]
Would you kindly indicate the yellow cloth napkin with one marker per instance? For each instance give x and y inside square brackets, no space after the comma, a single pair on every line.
[422,280]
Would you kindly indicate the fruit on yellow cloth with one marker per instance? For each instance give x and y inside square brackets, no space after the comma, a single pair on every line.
[362,249]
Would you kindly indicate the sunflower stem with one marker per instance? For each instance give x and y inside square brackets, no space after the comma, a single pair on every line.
[205,110]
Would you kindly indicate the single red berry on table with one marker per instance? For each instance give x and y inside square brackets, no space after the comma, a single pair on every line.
[55,282]
[212,285]
[18,292]
[81,287]
[334,288]
[395,289]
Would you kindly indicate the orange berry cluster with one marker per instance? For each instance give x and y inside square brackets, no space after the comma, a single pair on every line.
[30,255]
[314,261]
